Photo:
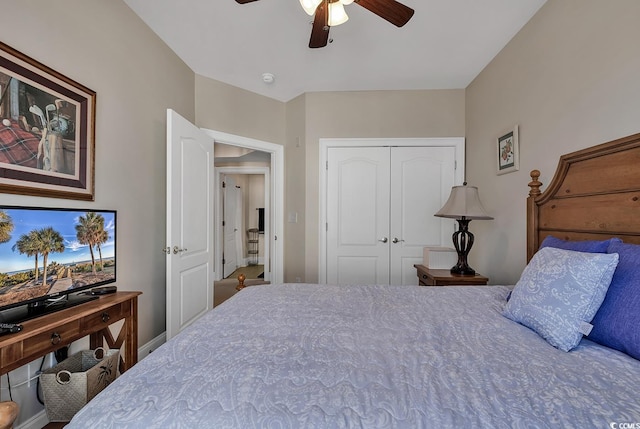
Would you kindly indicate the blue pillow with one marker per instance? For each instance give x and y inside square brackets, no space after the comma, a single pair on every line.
[559,292]
[617,322]
[590,246]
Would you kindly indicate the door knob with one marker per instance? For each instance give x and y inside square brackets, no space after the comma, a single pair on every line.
[395,240]
[177,250]
[384,240]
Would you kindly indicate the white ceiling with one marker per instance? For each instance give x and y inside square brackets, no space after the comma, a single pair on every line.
[445,45]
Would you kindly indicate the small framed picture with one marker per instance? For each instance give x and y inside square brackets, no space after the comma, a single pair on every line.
[508,152]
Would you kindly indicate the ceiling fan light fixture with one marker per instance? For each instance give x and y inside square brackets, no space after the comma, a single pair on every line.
[329,13]
[310,6]
[337,14]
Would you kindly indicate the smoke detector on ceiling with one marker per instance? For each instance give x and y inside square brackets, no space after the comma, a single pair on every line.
[268,78]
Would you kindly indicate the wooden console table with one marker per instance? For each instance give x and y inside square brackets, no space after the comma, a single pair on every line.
[52,331]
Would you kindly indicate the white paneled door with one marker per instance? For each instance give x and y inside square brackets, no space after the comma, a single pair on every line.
[358,215]
[190,217]
[230,226]
[380,206]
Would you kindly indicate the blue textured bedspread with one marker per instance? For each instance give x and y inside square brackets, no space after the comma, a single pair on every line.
[316,356]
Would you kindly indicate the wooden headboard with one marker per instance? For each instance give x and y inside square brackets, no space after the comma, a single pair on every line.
[594,195]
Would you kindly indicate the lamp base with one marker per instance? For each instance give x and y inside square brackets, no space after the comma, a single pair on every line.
[463,270]
[463,241]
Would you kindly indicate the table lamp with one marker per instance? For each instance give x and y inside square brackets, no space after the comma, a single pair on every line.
[463,205]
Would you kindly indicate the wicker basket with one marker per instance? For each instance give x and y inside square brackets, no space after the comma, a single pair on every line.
[72,383]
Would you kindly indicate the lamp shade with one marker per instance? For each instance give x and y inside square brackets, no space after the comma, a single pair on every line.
[463,202]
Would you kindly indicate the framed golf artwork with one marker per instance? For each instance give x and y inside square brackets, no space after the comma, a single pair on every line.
[508,152]
[47,130]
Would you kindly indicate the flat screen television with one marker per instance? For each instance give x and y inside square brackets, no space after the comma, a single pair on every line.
[49,255]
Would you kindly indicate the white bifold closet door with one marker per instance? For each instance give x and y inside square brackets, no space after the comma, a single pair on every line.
[380,206]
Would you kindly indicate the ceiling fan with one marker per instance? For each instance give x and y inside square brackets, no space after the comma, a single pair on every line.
[329,13]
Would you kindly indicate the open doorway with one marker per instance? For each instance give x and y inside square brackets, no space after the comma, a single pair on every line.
[246,218]
[245,221]
[245,240]
[275,186]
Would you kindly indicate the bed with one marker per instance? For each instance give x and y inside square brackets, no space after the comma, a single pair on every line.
[324,356]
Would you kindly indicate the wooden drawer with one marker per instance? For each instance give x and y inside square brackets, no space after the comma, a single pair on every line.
[104,318]
[424,280]
[51,340]
[10,354]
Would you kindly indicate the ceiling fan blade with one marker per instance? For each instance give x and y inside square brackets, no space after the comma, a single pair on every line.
[320,30]
[245,1]
[394,12]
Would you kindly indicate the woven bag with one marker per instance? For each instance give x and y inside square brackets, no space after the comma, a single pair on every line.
[72,383]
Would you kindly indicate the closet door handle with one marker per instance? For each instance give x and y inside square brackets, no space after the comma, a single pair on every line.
[383,240]
[395,240]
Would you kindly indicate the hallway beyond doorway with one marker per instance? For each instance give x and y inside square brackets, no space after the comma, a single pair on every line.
[250,272]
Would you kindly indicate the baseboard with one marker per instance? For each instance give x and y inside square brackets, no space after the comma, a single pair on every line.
[40,420]
[152,345]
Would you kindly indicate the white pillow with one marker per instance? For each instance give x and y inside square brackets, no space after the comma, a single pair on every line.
[559,292]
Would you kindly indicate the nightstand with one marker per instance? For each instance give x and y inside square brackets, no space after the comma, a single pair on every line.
[433,277]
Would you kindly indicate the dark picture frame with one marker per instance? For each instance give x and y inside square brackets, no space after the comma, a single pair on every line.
[508,152]
[47,130]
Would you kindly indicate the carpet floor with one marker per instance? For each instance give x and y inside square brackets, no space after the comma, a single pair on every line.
[250,272]
[226,288]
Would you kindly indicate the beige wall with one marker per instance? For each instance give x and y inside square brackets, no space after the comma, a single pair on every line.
[435,113]
[570,79]
[295,180]
[106,47]
[232,110]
